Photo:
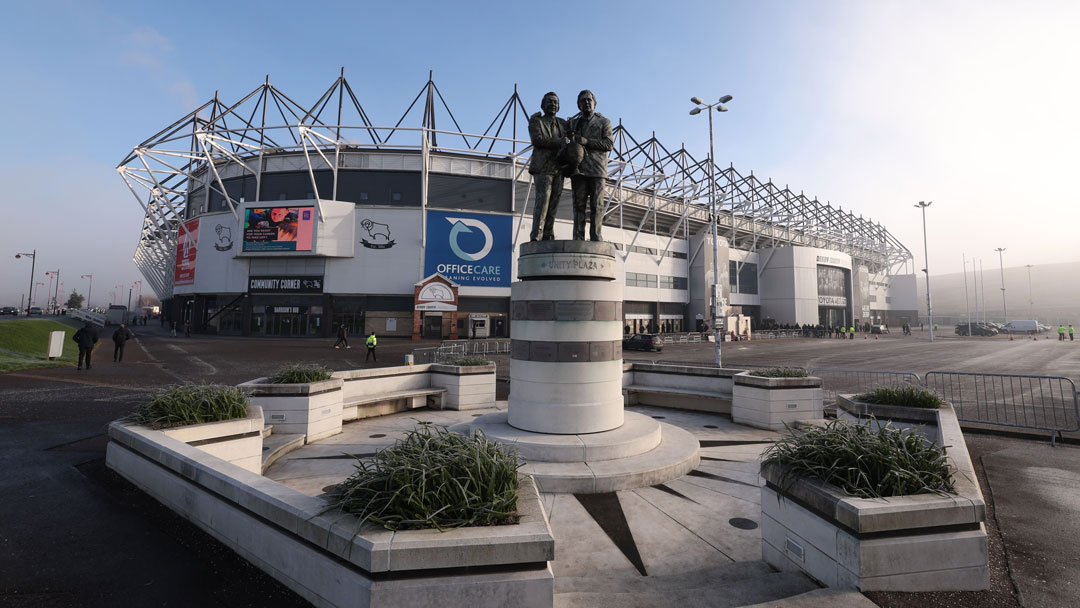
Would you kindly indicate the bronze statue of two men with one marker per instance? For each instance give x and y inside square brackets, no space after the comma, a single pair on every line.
[577,148]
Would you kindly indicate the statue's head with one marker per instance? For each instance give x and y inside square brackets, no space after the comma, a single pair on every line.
[550,103]
[586,101]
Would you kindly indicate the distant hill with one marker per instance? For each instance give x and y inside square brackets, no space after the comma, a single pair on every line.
[1055,293]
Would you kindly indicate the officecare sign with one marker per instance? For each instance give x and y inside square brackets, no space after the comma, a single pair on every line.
[469,248]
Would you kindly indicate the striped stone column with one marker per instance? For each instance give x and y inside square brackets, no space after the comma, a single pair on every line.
[566,352]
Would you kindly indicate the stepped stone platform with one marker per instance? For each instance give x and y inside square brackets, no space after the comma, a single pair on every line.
[642,452]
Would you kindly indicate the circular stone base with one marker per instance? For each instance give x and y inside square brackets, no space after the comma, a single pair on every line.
[637,435]
[675,456]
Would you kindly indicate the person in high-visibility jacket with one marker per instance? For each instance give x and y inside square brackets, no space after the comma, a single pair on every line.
[1070,332]
[851,333]
[372,341]
[1061,333]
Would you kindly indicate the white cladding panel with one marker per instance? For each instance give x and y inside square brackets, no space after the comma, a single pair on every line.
[386,254]
[217,270]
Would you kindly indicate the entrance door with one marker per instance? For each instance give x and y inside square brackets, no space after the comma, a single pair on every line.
[433,327]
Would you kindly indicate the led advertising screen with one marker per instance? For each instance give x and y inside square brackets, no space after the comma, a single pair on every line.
[832,286]
[279,228]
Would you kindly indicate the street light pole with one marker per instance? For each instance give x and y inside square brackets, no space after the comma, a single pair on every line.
[1031,308]
[33,262]
[717,308]
[56,296]
[89,292]
[926,259]
[967,303]
[1004,307]
[982,281]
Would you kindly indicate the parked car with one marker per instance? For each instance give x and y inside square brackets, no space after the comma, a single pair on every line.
[1022,327]
[34,310]
[643,342]
[9,310]
[977,329]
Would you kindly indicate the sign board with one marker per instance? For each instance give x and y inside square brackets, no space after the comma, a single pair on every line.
[832,301]
[285,284]
[436,293]
[186,247]
[469,248]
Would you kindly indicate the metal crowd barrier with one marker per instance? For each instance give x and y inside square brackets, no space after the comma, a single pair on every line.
[1047,403]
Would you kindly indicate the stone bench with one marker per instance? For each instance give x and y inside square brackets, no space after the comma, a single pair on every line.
[706,389]
[679,398]
[380,404]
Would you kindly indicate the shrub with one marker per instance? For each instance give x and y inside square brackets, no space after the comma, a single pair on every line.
[434,478]
[300,373]
[780,372]
[907,395]
[872,460]
[183,404]
[468,361]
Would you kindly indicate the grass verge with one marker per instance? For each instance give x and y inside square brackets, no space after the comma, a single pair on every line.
[24,344]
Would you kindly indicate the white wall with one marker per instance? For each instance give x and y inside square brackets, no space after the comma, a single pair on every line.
[375,268]
[217,270]
[788,282]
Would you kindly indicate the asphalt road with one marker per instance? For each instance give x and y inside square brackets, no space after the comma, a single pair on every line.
[72,533]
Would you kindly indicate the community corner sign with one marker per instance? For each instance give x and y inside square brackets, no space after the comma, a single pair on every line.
[469,248]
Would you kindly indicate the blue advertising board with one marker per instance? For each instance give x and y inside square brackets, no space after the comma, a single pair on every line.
[469,248]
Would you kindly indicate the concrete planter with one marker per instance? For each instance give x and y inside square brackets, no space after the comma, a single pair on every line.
[468,387]
[236,441]
[772,403]
[922,542]
[312,409]
[924,420]
[324,556]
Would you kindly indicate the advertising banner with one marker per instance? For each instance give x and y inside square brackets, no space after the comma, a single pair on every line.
[279,228]
[186,248]
[469,248]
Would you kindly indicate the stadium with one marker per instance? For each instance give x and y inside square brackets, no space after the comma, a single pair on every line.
[265,217]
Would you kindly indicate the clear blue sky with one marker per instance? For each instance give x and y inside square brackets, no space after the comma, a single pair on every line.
[870,105]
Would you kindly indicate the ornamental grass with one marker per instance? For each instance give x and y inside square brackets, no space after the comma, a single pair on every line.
[300,373]
[906,395]
[873,460]
[433,478]
[183,404]
[780,372]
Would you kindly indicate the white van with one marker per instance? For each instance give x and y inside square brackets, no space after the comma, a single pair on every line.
[1022,327]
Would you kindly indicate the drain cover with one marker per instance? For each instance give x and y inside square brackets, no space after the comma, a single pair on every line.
[742,523]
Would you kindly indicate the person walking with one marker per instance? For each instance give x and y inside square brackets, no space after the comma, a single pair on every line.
[86,338]
[1070,332]
[172,332]
[342,336]
[1061,332]
[372,342]
[187,329]
[119,338]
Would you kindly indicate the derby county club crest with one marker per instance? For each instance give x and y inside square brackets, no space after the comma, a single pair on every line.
[378,235]
[224,235]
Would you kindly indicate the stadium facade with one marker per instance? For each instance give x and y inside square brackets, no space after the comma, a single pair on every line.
[266,217]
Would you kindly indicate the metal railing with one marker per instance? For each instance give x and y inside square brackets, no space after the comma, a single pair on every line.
[838,380]
[448,351]
[1047,403]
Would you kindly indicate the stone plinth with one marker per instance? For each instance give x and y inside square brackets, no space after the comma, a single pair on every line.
[566,355]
